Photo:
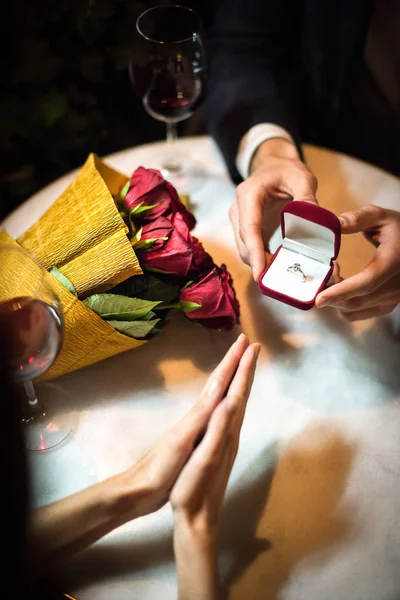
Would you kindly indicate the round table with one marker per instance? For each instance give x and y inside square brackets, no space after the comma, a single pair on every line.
[312,509]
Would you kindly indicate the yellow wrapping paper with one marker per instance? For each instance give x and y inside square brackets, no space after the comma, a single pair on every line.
[84,235]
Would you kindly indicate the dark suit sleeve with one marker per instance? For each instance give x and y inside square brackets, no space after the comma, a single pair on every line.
[251,48]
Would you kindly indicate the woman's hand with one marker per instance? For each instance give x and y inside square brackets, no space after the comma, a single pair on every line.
[159,469]
[60,529]
[198,493]
[375,290]
[200,488]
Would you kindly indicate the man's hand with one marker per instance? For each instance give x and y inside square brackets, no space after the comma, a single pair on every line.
[375,290]
[277,176]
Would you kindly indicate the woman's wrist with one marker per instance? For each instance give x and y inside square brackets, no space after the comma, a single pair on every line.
[195,539]
[195,549]
[130,496]
[196,533]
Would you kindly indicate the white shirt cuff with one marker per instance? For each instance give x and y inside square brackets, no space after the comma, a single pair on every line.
[252,139]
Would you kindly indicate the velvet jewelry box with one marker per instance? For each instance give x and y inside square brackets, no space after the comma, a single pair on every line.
[303,263]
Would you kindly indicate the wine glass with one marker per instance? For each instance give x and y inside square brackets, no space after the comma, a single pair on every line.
[168,71]
[32,317]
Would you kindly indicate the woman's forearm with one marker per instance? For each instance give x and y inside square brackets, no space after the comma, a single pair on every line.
[59,530]
[197,564]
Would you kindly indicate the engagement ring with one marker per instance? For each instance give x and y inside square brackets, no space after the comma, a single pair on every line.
[296,269]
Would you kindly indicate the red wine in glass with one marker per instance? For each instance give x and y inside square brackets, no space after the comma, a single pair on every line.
[34,333]
[168,72]
[174,92]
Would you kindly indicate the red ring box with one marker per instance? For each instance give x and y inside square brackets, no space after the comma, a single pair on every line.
[311,238]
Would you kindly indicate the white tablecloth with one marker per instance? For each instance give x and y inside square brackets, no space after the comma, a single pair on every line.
[313,505]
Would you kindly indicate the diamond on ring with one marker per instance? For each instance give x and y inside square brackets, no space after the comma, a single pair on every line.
[297,270]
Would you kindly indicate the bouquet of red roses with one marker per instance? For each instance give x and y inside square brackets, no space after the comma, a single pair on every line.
[178,274]
[121,256]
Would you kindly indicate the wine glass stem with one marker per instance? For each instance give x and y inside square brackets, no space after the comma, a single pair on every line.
[31,395]
[171,164]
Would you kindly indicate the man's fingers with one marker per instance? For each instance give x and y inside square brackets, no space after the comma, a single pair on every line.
[258,198]
[234,217]
[368,313]
[385,295]
[300,183]
[362,219]
[336,276]
[375,274]
[250,225]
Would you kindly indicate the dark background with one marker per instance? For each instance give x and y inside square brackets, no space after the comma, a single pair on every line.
[66,91]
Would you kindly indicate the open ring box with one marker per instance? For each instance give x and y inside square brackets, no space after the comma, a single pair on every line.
[310,239]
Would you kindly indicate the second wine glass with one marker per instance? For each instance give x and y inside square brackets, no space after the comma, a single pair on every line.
[31,315]
[168,72]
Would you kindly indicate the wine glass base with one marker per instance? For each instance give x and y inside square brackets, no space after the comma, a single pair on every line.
[186,175]
[51,424]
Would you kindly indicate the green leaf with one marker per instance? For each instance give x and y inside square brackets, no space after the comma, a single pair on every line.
[145,244]
[154,270]
[188,306]
[135,329]
[124,191]
[63,280]
[136,238]
[137,211]
[165,291]
[141,208]
[114,306]
[150,315]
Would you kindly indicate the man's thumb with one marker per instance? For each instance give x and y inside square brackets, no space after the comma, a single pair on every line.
[360,220]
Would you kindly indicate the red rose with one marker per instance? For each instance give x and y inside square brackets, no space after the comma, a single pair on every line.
[214,292]
[157,230]
[179,223]
[201,260]
[148,187]
[171,255]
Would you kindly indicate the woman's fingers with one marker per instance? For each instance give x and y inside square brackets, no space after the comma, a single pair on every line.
[185,433]
[239,390]
[194,478]
[220,379]
[222,434]
[230,413]
[232,408]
